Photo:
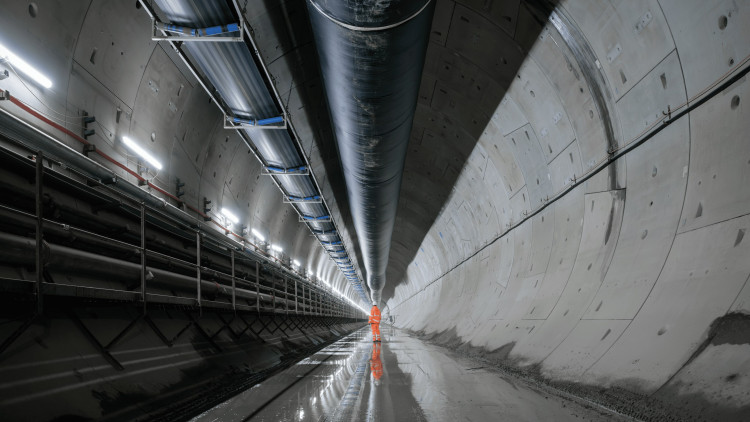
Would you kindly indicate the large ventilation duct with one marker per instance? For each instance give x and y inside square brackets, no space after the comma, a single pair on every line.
[371,56]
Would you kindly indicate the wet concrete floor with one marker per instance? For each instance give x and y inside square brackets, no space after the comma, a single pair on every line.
[401,379]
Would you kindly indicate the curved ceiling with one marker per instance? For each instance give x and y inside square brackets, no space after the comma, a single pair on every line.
[626,279]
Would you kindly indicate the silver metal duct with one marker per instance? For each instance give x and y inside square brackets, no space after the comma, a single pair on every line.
[371,56]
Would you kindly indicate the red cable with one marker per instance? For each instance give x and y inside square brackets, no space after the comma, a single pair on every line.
[140,178]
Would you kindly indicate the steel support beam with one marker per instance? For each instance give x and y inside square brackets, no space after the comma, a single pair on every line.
[257,286]
[198,265]
[39,235]
[143,256]
[234,296]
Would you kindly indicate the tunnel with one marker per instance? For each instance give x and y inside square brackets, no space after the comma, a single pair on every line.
[203,201]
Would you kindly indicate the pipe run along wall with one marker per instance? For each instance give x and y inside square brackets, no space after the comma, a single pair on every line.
[371,56]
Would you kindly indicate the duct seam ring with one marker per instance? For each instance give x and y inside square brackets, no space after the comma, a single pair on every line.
[366,29]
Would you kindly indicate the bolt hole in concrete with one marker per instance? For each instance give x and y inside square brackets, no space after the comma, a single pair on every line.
[735,102]
[33,9]
[723,22]
[137,5]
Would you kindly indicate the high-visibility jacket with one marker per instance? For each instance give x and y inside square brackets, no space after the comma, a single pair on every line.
[376,365]
[374,315]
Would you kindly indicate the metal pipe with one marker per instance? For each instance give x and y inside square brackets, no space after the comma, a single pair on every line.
[273,293]
[257,286]
[198,265]
[234,298]
[17,250]
[39,231]
[34,139]
[371,72]
[143,255]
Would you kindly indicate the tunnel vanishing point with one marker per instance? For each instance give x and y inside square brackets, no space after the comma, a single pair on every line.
[201,200]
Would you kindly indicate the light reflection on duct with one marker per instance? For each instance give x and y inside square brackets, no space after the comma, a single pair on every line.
[230,215]
[258,236]
[344,296]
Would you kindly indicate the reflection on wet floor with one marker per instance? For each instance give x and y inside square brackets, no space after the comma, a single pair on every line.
[402,379]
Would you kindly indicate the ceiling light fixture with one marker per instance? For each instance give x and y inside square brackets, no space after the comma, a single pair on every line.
[258,236]
[277,248]
[296,263]
[228,214]
[141,152]
[24,67]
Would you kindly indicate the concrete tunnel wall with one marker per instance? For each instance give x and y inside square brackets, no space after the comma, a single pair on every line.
[625,280]
[101,59]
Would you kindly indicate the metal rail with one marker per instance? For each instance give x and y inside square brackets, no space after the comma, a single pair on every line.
[257,61]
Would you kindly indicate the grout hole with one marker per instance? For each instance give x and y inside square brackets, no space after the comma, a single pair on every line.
[735,102]
[723,22]
[33,9]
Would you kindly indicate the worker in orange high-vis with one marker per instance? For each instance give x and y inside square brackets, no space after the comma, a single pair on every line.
[375,322]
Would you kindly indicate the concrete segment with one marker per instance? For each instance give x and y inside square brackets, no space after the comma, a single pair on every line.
[635,282]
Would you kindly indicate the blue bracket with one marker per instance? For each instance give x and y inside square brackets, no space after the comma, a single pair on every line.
[268,123]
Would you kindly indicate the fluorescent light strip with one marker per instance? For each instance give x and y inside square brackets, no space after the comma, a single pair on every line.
[141,152]
[228,214]
[258,236]
[277,248]
[24,67]
[296,263]
[344,296]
